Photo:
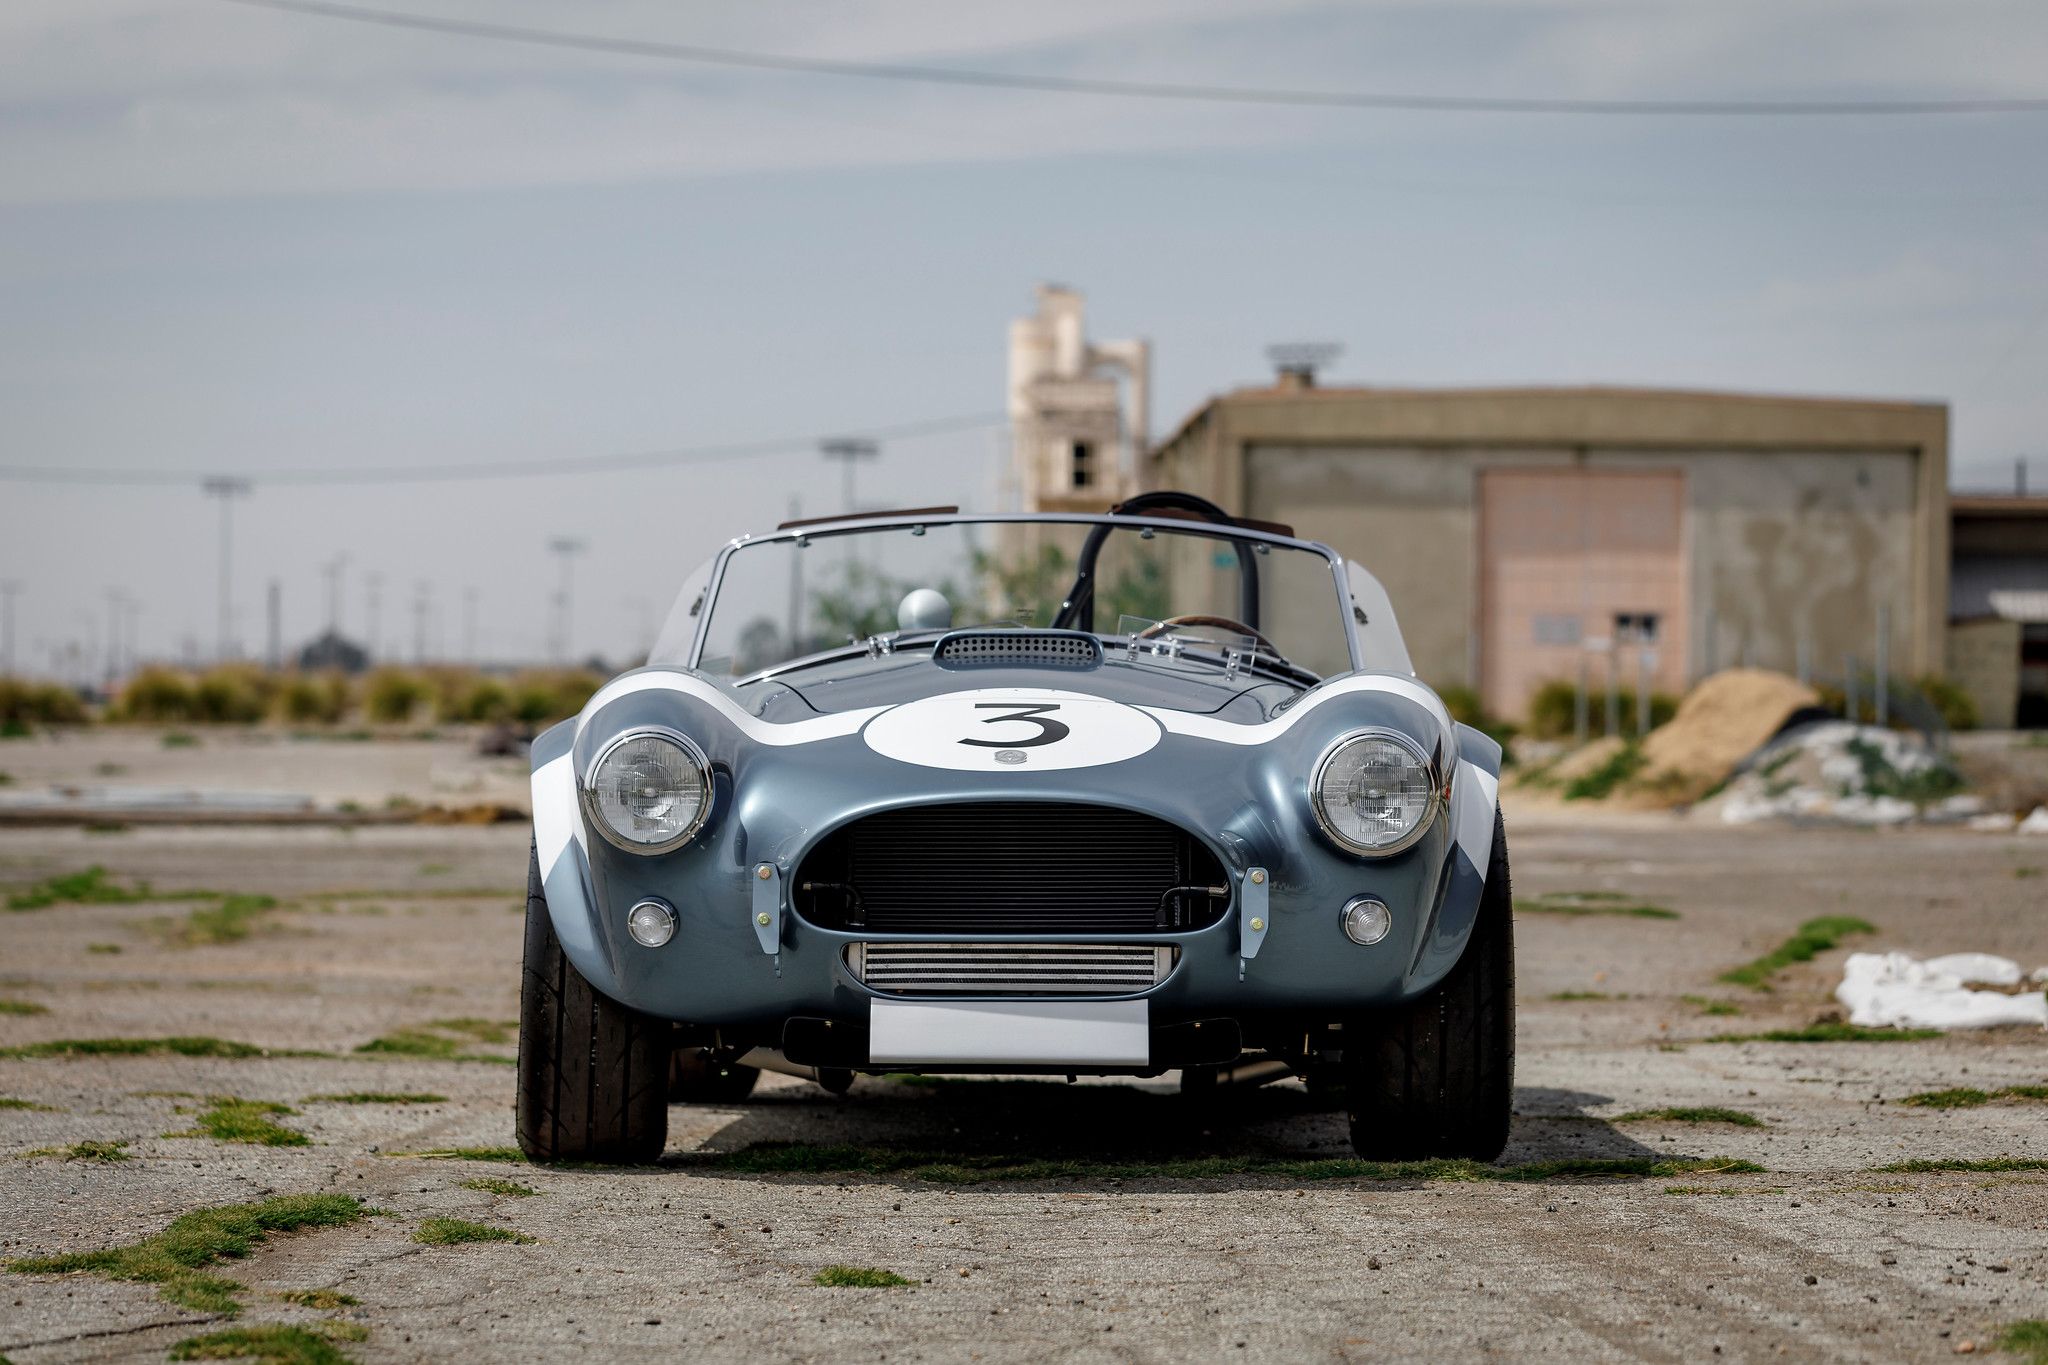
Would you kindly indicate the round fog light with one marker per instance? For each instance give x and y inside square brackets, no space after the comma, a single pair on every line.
[651,923]
[1367,921]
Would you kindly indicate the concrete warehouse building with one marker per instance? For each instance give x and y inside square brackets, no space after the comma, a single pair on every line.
[1533,534]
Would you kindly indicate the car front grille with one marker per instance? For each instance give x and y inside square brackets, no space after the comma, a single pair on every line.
[1009,968]
[1030,648]
[1011,867]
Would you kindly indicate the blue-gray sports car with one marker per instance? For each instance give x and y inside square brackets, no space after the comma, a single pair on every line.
[1121,794]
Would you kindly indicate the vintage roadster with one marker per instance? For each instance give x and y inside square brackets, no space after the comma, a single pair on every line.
[1117,795]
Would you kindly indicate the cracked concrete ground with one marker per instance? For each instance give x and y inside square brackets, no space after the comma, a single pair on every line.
[1822,1256]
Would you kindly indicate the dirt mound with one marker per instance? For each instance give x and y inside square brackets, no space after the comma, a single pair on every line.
[1724,720]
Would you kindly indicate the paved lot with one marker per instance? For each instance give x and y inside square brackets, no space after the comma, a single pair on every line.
[384,930]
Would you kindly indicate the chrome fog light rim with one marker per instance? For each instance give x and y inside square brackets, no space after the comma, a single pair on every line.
[651,923]
[1366,920]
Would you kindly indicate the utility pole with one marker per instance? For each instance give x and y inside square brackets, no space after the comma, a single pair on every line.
[469,625]
[849,451]
[8,591]
[227,490]
[113,660]
[565,548]
[421,602]
[332,571]
[275,652]
[373,645]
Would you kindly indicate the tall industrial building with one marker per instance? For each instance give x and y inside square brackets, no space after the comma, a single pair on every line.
[1078,410]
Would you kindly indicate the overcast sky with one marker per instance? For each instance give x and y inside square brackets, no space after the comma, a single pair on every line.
[244,240]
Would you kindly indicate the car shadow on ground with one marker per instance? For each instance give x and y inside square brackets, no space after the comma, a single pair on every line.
[927,1127]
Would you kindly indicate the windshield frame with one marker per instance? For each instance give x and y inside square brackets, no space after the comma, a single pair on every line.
[1340,588]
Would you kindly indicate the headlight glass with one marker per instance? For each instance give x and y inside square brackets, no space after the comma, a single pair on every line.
[1374,792]
[648,791]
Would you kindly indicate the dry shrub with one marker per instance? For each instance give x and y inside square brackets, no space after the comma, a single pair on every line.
[393,695]
[313,698]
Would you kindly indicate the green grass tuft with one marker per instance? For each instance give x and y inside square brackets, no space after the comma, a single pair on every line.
[857,1277]
[1581,903]
[228,922]
[103,947]
[954,1169]
[1717,1008]
[10,1102]
[491,1184]
[228,1119]
[107,1153]
[1584,995]
[1831,1033]
[325,1300]
[1962,1097]
[22,1007]
[448,1232]
[175,1259]
[507,1154]
[1815,937]
[146,1047]
[1711,1113]
[1623,764]
[378,1097]
[271,1344]
[445,1040]
[2028,1339]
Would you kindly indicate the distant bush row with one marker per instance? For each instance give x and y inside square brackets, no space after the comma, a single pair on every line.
[244,694]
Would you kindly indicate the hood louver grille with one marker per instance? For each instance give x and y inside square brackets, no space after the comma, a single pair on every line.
[1015,648]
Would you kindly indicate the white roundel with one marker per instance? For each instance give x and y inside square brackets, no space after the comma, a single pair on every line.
[1011,730]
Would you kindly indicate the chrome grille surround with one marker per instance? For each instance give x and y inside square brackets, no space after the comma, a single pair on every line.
[1010,968]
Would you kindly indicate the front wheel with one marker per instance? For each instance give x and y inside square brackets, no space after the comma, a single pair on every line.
[593,1075]
[1435,1077]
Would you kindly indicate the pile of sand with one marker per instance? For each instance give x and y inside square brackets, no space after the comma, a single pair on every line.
[1724,720]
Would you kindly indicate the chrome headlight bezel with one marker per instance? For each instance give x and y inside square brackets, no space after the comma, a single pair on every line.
[587,789]
[1430,763]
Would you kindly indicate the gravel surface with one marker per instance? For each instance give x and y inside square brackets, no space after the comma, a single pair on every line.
[1821,1255]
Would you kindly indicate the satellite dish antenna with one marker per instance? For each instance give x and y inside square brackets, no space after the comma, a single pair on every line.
[1295,362]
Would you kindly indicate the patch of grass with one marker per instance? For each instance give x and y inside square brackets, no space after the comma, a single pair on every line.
[103,947]
[106,1153]
[1584,995]
[1814,937]
[325,1300]
[10,1102]
[1719,1189]
[1997,1163]
[92,887]
[2028,1339]
[147,1047]
[179,739]
[1576,903]
[1880,778]
[1831,1033]
[857,1277]
[445,1040]
[22,1007]
[1600,783]
[378,1097]
[507,1154]
[175,1260]
[1717,1008]
[448,1232]
[1710,1113]
[1964,1097]
[952,1168]
[228,1119]
[228,922]
[490,1184]
[271,1344]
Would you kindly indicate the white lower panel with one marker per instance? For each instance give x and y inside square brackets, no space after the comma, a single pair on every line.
[1012,1032]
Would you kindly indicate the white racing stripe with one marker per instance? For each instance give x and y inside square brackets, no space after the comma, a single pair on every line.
[1265,732]
[753,727]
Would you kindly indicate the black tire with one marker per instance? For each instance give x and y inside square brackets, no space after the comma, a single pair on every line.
[696,1077]
[1436,1077]
[593,1075]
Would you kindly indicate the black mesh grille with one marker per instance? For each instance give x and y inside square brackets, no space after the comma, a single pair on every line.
[1036,648]
[1011,867]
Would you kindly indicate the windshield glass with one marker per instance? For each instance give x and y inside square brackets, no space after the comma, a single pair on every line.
[789,598]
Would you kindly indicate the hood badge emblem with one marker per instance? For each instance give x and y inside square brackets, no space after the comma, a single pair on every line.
[1010,756]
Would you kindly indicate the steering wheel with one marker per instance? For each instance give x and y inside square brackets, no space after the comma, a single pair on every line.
[1218,622]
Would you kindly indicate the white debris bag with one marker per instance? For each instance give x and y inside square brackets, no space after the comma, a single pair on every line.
[1899,990]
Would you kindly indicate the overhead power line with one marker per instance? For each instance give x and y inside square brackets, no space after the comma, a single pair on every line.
[1148,90]
[502,469]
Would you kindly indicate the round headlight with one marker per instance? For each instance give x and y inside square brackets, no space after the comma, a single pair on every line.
[1375,792]
[648,791]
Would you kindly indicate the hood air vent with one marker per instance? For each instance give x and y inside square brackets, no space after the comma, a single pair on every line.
[1071,649]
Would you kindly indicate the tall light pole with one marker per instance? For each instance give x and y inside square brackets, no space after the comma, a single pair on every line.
[8,590]
[849,451]
[469,625]
[371,645]
[116,601]
[565,549]
[422,603]
[227,490]
[332,571]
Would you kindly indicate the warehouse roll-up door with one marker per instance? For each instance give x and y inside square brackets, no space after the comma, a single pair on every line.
[1579,568]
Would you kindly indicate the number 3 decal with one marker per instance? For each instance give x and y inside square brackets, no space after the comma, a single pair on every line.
[1049,731]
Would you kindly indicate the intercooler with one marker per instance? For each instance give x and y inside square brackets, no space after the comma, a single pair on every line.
[1009,968]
